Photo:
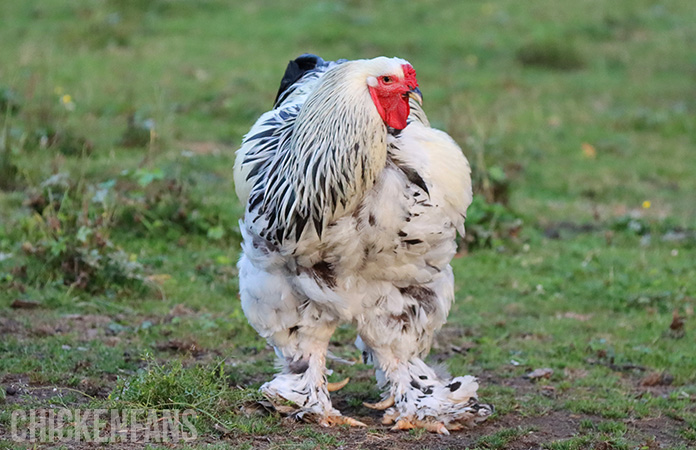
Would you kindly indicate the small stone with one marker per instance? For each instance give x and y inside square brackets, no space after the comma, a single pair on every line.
[539,373]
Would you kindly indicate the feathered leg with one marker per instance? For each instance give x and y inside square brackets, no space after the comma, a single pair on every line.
[301,388]
[423,398]
[417,396]
[299,332]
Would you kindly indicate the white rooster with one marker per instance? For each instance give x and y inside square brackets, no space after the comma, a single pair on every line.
[352,207]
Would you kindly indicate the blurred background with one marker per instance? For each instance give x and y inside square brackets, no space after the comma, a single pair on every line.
[118,125]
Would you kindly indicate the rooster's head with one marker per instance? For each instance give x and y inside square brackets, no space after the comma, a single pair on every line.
[391,81]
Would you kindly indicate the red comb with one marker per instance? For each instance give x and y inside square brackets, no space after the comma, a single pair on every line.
[410,75]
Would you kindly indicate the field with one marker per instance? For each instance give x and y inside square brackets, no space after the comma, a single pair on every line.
[119,235]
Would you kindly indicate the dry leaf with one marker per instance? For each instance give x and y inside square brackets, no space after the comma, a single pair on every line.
[588,150]
[575,316]
[180,310]
[24,304]
[159,278]
[657,379]
[677,322]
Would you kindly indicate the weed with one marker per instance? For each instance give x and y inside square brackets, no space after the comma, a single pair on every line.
[8,168]
[557,54]
[689,433]
[612,427]
[67,240]
[10,101]
[59,138]
[587,424]
[574,443]
[599,407]
[489,225]
[169,385]
[502,438]
[201,388]
[490,219]
[163,207]
[140,132]
[320,439]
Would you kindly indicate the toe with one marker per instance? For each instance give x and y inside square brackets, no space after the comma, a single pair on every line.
[333,387]
[330,421]
[433,427]
[403,424]
[381,406]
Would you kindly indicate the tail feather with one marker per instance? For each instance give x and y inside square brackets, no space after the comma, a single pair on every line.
[296,70]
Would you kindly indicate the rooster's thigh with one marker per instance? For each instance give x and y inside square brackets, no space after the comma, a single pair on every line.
[396,336]
[400,326]
[287,319]
[268,301]
[299,332]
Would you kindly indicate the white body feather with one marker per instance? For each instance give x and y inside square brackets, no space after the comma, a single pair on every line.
[372,249]
[377,255]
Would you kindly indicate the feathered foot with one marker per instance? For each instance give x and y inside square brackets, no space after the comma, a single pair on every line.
[299,396]
[422,399]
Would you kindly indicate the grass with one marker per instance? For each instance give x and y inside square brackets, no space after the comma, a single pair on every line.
[119,236]
[501,438]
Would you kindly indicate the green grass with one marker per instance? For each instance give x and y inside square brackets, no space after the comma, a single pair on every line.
[118,125]
[501,438]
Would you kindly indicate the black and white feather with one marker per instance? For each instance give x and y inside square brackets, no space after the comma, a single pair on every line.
[349,221]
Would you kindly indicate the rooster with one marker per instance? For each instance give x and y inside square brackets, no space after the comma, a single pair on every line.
[353,203]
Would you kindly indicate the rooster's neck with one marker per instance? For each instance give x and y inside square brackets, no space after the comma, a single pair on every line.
[339,145]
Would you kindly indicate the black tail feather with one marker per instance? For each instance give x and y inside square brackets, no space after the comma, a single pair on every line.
[295,70]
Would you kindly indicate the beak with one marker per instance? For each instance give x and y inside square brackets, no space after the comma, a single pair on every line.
[415,94]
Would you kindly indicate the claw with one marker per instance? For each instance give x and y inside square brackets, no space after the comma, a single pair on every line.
[333,387]
[329,421]
[438,428]
[407,424]
[381,406]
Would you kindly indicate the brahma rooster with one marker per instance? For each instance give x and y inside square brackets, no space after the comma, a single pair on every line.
[352,207]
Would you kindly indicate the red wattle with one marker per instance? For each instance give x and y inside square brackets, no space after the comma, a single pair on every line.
[378,103]
[392,107]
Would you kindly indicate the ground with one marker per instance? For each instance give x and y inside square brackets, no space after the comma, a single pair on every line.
[119,236]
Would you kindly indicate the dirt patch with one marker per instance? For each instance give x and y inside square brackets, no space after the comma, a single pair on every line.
[379,437]
[534,432]
[9,326]
[19,392]
[27,323]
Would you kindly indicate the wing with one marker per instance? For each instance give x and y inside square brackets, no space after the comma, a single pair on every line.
[432,156]
[408,222]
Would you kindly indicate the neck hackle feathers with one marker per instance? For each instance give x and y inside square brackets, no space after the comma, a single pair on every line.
[334,152]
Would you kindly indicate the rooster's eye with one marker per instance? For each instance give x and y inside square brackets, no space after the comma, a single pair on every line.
[387,79]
